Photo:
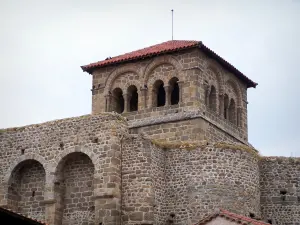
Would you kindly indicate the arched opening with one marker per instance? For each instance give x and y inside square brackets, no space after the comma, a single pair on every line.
[174,89]
[26,189]
[232,112]
[212,99]
[159,94]
[133,98]
[226,102]
[117,100]
[74,188]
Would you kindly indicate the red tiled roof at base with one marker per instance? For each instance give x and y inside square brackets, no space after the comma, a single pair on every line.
[20,216]
[232,217]
[163,48]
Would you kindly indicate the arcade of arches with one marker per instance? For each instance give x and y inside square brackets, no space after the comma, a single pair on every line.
[127,101]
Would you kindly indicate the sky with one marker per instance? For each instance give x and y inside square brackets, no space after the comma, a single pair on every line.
[44,43]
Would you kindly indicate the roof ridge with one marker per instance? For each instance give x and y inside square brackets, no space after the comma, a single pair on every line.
[170,46]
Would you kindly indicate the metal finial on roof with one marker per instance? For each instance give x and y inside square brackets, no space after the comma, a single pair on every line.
[172,23]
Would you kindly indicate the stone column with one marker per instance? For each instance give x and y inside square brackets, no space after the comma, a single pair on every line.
[107,186]
[53,200]
[153,98]
[144,99]
[108,102]
[126,98]
[168,95]
[180,85]
[221,106]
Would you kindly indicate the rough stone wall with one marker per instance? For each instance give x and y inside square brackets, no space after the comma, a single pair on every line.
[137,182]
[196,73]
[200,180]
[79,206]
[26,189]
[158,159]
[175,124]
[97,136]
[280,189]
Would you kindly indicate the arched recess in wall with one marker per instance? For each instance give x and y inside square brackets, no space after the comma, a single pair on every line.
[212,99]
[74,187]
[237,91]
[158,94]
[174,91]
[160,61]
[26,187]
[133,98]
[117,102]
[214,68]
[118,72]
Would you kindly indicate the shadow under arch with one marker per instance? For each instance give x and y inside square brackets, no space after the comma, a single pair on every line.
[20,161]
[26,188]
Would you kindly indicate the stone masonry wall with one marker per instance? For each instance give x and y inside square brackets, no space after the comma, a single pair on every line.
[280,190]
[175,124]
[158,159]
[137,182]
[26,189]
[77,196]
[98,137]
[196,73]
[200,180]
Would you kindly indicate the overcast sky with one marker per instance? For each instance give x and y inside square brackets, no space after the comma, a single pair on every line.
[44,43]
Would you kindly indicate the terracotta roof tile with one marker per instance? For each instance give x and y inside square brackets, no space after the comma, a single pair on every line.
[232,217]
[167,47]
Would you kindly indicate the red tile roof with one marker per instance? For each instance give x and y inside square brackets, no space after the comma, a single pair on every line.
[232,217]
[167,47]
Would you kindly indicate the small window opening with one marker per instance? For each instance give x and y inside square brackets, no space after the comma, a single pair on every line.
[283,192]
[22,151]
[252,215]
[118,100]
[174,91]
[159,94]
[33,193]
[134,99]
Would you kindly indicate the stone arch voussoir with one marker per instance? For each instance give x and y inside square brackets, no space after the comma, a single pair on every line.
[23,158]
[159,61]
[215,68]
[62,156]
[237,90]
[119,71]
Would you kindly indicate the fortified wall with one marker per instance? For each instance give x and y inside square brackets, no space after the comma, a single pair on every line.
[90,169]
[65,171]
